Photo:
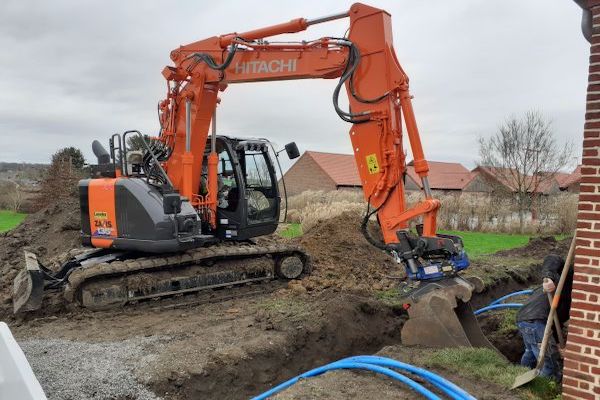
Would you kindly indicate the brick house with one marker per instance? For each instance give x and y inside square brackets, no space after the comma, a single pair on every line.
[315,170]
[570,182]
[443,176]
[495,180]
[582,356]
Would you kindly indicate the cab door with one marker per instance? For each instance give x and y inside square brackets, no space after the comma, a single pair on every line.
[248,197]
[261,193]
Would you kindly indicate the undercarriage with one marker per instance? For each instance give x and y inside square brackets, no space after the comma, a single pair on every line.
[102,279]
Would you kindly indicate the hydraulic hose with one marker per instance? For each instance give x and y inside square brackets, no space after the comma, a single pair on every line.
[379,364]
[497,307]
[519,293]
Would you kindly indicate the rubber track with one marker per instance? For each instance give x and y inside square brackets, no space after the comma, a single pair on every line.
[219,252]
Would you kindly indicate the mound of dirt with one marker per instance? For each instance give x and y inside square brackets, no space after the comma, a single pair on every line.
[538,247]
[49,233]
[343,259]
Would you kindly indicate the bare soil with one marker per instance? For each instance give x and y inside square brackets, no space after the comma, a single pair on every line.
[49,233]
[344,260]
[232,344]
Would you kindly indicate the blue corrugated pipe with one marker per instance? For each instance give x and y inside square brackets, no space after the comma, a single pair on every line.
[377,364]
[497,307]
[434,379]
[497,304]
[519,293]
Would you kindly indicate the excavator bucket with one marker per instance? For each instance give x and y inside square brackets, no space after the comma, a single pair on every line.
[28,286]
[440,315]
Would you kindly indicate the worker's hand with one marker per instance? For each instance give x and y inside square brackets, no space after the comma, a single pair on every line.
[548,285]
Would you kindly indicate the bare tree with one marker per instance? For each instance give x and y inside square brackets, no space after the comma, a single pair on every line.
[16,197]
[524,157]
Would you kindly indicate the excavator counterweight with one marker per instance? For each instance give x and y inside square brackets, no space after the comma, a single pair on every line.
[178,213]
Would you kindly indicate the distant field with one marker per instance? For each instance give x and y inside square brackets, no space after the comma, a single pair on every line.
[10,219]
[482,243]
[476,243]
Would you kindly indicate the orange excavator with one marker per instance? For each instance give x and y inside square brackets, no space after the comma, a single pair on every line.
[179,214]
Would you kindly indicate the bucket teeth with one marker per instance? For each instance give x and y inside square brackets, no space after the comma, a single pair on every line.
[440,315]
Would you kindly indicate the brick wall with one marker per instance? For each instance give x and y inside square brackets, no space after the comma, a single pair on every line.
[306,174]
[582,356]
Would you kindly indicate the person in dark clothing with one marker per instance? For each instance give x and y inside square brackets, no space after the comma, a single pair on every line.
[532,317]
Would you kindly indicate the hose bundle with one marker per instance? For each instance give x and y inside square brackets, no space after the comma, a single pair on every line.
[383,365]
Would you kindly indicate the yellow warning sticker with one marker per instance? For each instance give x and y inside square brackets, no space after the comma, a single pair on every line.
[100,215]
[372,164]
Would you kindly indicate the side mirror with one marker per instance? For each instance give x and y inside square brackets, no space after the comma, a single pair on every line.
[171,203]
[292,150]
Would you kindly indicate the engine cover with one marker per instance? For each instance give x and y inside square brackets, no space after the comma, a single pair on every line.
[129,214]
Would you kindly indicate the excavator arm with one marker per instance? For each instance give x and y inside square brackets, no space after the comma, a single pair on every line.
[364,62]
[379,105]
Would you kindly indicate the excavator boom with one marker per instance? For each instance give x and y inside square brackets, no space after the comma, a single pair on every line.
[367,66]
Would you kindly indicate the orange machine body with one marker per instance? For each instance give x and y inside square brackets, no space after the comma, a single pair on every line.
[247,57]
[102,211]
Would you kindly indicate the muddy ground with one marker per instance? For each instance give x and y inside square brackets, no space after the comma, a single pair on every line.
[232,344]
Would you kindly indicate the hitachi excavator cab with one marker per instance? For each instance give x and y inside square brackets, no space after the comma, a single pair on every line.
[248,198]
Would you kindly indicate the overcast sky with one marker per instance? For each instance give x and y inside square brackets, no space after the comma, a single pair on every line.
[74,71]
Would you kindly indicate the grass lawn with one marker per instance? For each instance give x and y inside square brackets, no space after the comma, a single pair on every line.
[487,365]
[482,243]
[477,244]
[10,219]
[291,231]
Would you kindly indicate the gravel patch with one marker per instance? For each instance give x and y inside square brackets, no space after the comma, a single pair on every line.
[91,371]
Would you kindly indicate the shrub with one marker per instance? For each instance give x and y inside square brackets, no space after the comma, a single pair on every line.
[465,211]
[60,180]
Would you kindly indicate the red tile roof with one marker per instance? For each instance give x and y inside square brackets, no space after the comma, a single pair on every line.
[443,175]
[501,175]
[566,180]
[341,168]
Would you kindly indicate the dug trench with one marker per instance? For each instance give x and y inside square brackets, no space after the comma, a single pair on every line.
[331,329]
[323,331]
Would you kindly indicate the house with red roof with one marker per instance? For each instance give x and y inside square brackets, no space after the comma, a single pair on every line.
[316,170]
[445,176]
[508,180]
[569,182]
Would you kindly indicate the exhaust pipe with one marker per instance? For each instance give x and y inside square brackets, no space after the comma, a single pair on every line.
[100,153]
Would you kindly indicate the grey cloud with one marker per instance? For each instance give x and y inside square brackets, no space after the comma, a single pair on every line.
[74,71]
